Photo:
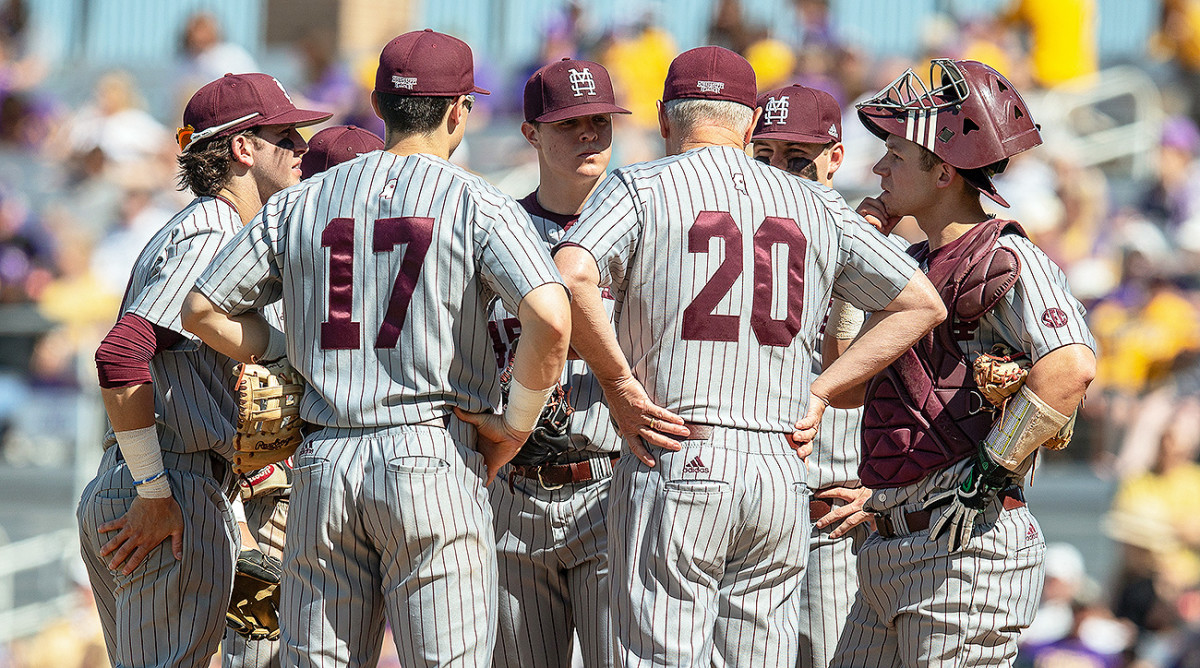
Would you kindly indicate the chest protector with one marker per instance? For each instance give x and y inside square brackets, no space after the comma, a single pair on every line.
[924,413]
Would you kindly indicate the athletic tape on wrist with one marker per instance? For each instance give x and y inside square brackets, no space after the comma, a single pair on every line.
[845,321]
[239,510]
[143,458]
[1026,423]
[276,345]
[524,406]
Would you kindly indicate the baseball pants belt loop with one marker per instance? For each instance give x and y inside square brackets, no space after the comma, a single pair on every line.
[894,524]
[555,476]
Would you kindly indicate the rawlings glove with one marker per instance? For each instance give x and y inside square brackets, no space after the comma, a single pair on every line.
[965,503]
[268,424]
[550,437]
[253,608]
[270,478]
[1000,373]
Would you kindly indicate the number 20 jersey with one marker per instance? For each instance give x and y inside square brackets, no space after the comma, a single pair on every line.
[722,269]
[385,265]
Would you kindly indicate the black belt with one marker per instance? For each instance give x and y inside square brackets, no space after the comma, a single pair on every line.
[918,520]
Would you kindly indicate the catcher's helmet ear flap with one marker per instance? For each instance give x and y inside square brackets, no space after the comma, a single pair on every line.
[970,116]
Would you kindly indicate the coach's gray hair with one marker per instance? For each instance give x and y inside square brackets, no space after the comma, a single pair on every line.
[685,114]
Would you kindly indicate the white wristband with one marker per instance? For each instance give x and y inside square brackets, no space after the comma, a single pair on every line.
[524,406]
[239,510]
[276,345]
[845,321]
[143,458]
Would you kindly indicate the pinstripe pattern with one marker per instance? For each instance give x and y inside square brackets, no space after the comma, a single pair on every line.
[717,585]
[482,246]
[199,415]
[389,521]
[827,592]
[266,515]
[552,545]
[636,226]
[591,428]
[168,612]
[926,607]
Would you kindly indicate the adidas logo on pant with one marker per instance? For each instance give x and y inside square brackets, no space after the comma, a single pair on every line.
[695,466]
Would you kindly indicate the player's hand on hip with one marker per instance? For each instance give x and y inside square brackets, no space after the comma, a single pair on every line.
[806,429]
[873,211]
[640,419]
[498,443]
[146,524]
[850,515]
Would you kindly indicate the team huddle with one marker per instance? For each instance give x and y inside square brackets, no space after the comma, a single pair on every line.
[696,411]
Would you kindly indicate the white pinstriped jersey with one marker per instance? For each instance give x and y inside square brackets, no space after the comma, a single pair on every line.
[722,268]
[201,409]
[591,428]
[385,265]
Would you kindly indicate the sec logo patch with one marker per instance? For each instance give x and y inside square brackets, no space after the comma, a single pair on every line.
[1054,317]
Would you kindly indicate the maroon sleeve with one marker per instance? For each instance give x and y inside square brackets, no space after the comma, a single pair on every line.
[123,358]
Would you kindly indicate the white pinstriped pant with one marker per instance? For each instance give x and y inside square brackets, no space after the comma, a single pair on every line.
[553,554]
[389,521]
[266,515]
[707,550]
[168,612]
[921,606]
[827,592]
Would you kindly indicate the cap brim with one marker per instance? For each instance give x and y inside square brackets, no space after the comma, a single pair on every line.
[796,137]
[580,110]
[480,91]
[297,117]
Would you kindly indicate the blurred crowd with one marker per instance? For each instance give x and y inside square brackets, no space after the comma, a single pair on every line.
[84,186]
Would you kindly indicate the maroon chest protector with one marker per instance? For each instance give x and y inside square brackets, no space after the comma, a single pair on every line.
[923,413]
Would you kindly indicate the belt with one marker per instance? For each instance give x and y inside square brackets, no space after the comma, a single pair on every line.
[918,520]
[554,476]
[821,507]
[696,432]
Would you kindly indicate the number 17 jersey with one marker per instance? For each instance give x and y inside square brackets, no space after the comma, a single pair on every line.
[722,268]
[385,265]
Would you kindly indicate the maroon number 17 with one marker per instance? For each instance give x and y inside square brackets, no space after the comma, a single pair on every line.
[340,331]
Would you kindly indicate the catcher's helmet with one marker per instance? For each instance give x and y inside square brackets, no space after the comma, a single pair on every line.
[970,116]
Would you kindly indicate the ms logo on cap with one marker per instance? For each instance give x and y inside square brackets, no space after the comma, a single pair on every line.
[776,111]
[582,82]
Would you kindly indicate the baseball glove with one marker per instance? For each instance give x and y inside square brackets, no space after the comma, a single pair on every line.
[254,608]
[1000,373]
[270,478]
[268,425]
[550,437]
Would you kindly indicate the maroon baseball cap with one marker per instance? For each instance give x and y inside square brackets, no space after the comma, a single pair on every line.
[569,89]
[424,62]
[711,73]
[237,102]
[335,145]
[799,113]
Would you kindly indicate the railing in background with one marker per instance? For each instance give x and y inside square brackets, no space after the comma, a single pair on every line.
[51,555]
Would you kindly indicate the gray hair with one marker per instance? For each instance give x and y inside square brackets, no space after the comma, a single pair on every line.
[685,114]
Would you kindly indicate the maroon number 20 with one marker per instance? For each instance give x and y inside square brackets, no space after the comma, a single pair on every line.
[340,331]
[699,321]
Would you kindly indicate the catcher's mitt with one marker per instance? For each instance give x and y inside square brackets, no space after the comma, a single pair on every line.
[268,425]
[254,608]
[550,437]
[1000,373]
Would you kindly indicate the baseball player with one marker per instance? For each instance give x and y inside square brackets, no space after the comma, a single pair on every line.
[954,571]
[385,266]
[550,513]
[155,525]
[800,132]
[265,494]
[721,269]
